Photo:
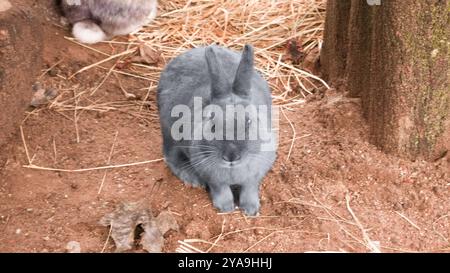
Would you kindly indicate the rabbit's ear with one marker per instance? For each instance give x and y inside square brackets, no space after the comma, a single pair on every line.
[219,86]
[242,81]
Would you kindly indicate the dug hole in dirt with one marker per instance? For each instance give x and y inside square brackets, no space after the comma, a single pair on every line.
[329,190]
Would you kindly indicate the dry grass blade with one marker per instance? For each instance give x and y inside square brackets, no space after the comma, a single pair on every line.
[445,239]
[127,52]
[219,237]
[31,166]
[185,247]
[408,220]
[371,245]
[25,145]
[108,162]
[294,133]
[258,242]
[107,239]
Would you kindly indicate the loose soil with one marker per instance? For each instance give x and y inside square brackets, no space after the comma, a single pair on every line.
[333,192]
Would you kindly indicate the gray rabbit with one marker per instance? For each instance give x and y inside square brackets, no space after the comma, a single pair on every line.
[195,92]
[98,20]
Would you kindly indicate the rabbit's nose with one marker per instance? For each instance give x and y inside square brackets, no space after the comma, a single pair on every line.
[231,157]
[231,153]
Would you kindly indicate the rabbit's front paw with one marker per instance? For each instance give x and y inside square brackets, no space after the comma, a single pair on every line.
[190,179]
[249,200]
[222,198]
[224,206]
[250,209]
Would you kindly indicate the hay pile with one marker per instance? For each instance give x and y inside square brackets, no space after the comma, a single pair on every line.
[266,24]
[269,25]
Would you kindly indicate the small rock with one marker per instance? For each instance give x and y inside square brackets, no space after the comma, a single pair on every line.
[37,86]
[398,206]
[294,50]
[18,231]
[434,53]
[51,93]
[130,96]
[394,240]
[63,21]
[5,5]
[147,55]
[100,114]
[4,34]
[166,204]
[258,231]
[42,95]
[53,72]
[73,247]
[39,98]
[165,222]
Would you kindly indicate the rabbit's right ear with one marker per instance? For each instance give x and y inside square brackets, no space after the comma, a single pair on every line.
[243,80]
[219,86]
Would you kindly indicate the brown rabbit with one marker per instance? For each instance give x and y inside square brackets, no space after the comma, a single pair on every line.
[97,20]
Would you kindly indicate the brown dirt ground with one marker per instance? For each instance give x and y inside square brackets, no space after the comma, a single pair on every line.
[402,205]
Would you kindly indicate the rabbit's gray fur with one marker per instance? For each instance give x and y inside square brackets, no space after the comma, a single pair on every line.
[97,20]
[212,74]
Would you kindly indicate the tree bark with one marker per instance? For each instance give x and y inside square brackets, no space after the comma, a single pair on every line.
[335,36]
[20,59]
[397,57]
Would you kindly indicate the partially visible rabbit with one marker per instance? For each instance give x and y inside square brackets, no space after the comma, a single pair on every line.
[94,21]
[219,77]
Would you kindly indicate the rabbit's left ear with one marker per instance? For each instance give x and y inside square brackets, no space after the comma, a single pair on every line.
[219,85]
[243,80]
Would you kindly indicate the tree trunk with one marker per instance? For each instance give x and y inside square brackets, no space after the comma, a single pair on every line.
[20,57]
[397,57]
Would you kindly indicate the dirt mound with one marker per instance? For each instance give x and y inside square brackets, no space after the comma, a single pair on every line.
[19,63]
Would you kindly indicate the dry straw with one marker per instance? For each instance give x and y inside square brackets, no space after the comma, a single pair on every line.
[268,25]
